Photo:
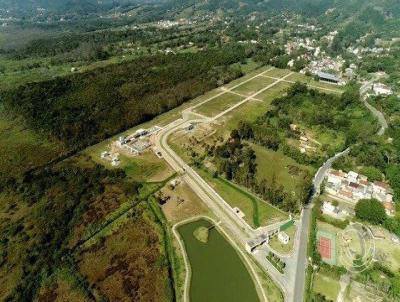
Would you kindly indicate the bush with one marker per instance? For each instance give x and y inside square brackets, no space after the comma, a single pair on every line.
[372,173]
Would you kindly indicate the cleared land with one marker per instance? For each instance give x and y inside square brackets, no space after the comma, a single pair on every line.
[218,104]
[253,86]
[182,204]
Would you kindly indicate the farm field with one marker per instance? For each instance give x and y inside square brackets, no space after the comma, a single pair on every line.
[218,273]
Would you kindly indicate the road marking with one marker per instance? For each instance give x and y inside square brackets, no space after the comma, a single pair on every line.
[251,97]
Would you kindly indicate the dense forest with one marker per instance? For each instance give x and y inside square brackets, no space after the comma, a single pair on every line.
[83,109]
[345,115]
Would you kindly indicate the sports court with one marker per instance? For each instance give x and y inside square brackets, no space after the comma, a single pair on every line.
[326,243]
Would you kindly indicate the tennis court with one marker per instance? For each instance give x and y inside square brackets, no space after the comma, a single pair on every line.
[327,246]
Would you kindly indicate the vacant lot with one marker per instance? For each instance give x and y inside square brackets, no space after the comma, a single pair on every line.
[326,286]
[218,104]
[182,204]
[253,86]
[328,88]
[274,164]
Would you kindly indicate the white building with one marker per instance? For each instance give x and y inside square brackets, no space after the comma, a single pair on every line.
[381,89]
[283,237]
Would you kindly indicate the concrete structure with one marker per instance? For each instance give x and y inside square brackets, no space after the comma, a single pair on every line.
[137,142]
[252,244]
[283,237]
[328,77]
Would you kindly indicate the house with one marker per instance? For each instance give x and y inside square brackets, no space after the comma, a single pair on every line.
[381,89]
[352,187]
[283,237]
[328,77]
[337,212]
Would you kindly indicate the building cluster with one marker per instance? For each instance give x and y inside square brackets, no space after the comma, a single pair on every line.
[139,141]
[169,23]
[375,89]
[113,157]
[352,187]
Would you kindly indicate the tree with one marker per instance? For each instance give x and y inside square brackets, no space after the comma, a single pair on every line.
[370,210]
[372,173]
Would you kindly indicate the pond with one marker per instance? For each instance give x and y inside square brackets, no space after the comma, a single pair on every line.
[218,273]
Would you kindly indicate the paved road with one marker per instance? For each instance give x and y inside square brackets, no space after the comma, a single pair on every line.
[379,115]
[293,281]
[302,261]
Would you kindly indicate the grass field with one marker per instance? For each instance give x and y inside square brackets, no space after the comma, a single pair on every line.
[284,248]
[326,286]
[216,267]
[258,213]
[278,73]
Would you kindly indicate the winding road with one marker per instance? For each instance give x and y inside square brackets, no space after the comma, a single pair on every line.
[292,282]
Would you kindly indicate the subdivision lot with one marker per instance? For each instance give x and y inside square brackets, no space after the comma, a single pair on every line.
[277,73]
[182,203]
[324,87]
[219,104]
[247,76]
[253,86]
[278,90]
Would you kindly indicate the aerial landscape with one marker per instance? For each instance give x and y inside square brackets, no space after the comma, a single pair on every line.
[200,150]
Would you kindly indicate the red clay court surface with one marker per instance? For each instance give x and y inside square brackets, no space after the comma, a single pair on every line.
[325,247]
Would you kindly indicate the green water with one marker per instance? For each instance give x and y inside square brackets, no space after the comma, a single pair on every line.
[218,273]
